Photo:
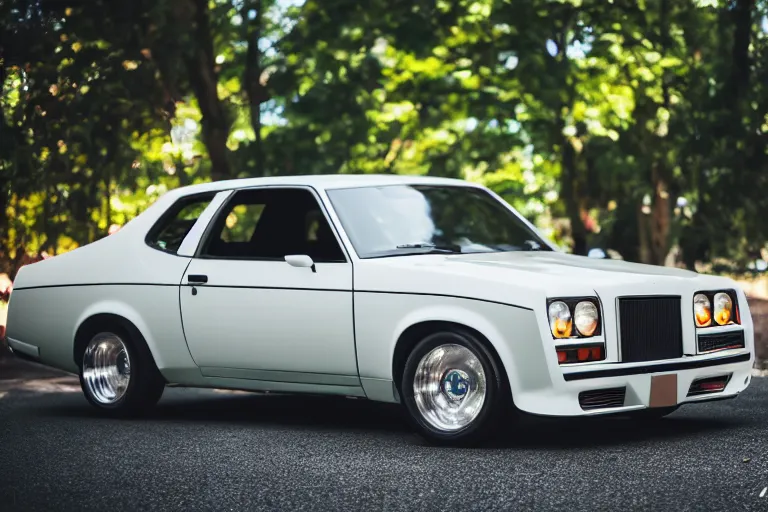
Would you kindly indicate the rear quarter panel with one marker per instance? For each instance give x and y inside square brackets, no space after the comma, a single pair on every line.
[48,318]
[118,274]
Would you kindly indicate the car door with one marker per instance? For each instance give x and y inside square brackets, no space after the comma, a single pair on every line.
[248,313]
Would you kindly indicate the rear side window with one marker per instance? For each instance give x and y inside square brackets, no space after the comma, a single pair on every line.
[169,232]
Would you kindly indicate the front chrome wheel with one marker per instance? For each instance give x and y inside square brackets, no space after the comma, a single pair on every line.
[449,387]
[106,368]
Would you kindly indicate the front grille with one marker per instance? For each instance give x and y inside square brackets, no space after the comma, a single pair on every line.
[651,328]
[602,398]
[708,342]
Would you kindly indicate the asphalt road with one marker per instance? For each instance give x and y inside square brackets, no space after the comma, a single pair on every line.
[206,450]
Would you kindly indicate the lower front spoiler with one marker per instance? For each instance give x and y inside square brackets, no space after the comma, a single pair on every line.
[621,390]
[614,411]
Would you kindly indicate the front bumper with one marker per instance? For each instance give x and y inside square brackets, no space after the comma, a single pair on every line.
[562,398]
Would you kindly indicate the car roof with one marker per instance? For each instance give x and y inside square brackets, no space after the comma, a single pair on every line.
[320,181]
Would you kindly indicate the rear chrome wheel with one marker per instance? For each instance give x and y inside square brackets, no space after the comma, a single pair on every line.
[106,368]
[117,372]
[452,388]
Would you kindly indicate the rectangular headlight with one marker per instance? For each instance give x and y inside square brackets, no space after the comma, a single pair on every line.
[715,308]
[574,317]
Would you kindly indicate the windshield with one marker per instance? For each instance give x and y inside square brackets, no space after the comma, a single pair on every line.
[396,220]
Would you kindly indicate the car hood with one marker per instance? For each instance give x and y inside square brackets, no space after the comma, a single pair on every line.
[566,267]
[531,276]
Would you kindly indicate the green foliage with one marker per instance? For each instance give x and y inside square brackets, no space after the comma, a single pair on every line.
[634,126]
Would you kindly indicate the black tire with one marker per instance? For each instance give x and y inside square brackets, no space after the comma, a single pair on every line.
[145,386]
[497,397]
[653,414]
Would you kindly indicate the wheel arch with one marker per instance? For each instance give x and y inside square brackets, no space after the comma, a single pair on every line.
[417,331]
[93,321]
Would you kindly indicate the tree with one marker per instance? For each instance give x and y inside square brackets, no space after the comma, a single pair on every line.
[637,126]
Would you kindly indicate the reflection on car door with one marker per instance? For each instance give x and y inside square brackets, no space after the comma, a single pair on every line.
[249,314]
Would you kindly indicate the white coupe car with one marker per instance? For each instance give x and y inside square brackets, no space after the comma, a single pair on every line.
[433,293]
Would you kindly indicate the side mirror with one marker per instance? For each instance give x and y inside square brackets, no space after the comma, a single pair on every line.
[301,261]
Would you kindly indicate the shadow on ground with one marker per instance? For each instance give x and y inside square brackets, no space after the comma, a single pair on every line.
[339,413]
[361,416]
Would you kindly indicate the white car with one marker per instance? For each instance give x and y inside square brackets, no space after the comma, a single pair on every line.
[433,293]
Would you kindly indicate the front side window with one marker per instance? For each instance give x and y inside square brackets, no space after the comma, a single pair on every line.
[397,220]
[271,223]
[169,232]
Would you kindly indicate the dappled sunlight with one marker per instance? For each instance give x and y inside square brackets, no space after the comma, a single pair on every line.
[52,385]
[17,375]
[639,132]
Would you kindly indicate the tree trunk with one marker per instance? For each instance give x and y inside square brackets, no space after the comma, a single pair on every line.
[108,189]
[181,172]
[204,80]
[738,82]
[254,89]
[643,240]
[570,196]
[660,218]
[742,36]
[5,187]
[569,171]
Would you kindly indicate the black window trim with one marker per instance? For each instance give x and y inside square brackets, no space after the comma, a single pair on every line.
[170,212]
[207,233]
